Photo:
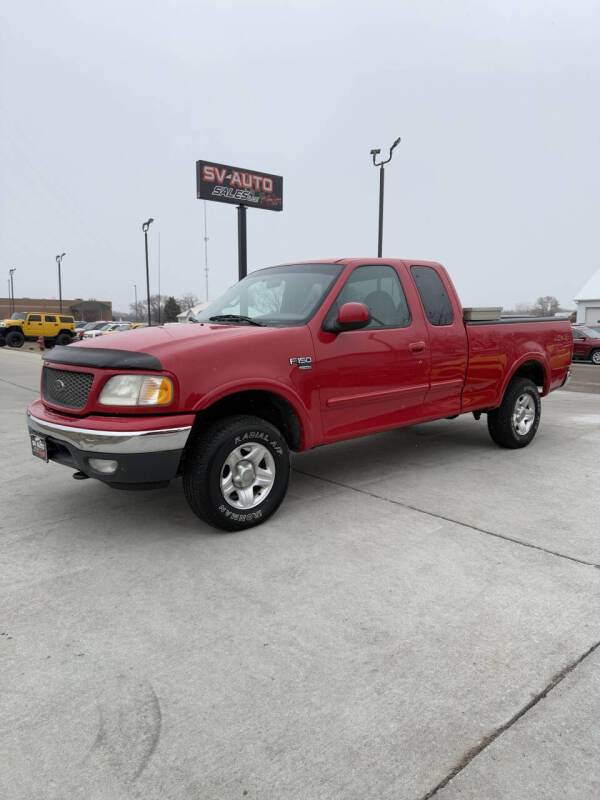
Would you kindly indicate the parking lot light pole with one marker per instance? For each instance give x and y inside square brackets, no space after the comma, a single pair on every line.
[380,164]
[12,290]
[135,295]
[145,227]
[59,262]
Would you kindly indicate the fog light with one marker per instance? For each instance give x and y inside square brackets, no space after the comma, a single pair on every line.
[103,465]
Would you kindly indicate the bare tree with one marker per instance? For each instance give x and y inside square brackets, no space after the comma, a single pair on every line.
[188,301]
[545,306]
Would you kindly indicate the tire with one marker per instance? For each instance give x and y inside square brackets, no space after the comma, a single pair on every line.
[250,444]
[63,339]
[515,422]
[15,339]
[595,357]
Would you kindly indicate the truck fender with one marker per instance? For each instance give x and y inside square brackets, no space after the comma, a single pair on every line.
[536,358]
[273,387]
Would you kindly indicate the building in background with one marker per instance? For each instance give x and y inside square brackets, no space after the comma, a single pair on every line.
[190,313]
[588,300]
[89,310]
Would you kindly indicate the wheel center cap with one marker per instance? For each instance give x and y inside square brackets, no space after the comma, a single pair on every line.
[243,474]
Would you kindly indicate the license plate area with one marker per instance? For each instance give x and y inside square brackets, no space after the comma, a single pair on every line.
[39,447]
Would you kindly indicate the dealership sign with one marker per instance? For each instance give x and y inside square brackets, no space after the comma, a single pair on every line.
[243,187]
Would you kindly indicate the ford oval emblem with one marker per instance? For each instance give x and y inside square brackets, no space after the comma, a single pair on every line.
[59,386]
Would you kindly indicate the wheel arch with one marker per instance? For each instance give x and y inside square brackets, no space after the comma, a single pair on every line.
[264,403]
[531,366]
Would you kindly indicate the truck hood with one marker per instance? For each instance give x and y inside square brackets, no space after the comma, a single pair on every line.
[168,345]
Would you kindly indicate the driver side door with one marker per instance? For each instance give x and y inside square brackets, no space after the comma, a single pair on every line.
[374,378]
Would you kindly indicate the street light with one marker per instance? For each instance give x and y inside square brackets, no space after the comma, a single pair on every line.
[145,227]
[12,290]
[59,262]
[380,164]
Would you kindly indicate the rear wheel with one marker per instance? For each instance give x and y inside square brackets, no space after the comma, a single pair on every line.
[515,422]
[236,472]
[15,339]
[63,338]
[595,357]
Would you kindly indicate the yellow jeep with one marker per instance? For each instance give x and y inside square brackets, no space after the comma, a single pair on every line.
[21,327]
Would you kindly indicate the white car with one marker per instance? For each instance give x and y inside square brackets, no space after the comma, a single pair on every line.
[110,327]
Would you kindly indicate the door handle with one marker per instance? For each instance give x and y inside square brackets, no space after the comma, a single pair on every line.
[416,347]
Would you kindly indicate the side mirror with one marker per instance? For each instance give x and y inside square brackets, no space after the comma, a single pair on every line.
[350,317]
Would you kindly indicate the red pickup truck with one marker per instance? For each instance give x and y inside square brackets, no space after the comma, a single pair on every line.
[292,357]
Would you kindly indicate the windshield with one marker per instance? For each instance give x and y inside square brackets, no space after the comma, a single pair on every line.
[593,333]
[19,315]
[276,296]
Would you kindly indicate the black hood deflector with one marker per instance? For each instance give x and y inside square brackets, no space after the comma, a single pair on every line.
[101,357]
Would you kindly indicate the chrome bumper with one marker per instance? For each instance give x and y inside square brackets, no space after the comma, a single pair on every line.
[112,441]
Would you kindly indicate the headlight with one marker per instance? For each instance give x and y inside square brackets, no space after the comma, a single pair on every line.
[2,324]
[137,390]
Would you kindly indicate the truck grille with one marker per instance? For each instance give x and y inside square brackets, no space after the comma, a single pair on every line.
[64,388]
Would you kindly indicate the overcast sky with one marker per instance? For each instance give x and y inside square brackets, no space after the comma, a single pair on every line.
[106,106]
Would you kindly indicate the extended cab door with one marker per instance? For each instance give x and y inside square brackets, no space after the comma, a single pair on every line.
[447,339]
[376,377]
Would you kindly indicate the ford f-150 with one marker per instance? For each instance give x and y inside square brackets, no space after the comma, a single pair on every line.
[292,357]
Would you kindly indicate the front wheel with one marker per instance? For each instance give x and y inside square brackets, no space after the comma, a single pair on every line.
[236,472]
[515,422]
[595,357]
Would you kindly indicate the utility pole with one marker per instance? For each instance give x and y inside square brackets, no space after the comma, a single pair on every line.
[205,252]
[145,227]
[380,164]
[12,291]
[159,278]
[59,262]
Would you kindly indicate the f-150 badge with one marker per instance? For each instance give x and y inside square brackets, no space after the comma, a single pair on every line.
[304,362]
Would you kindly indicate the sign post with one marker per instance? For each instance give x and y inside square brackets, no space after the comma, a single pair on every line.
[242,187]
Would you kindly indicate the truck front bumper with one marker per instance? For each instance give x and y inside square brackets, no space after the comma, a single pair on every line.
[123,459]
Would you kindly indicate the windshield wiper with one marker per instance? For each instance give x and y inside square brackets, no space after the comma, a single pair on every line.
[234,318]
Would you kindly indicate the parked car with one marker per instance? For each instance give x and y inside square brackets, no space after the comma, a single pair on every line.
[290,358]
[586,343]
[21,327]
[106,327]
[92,326]
[118,327]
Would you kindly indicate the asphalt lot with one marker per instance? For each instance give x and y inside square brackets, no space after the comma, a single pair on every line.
[419,619]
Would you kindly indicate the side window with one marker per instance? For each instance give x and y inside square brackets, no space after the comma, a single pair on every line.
[49,318]
[35,318]
[436,302]
[379,288]
[577,335]
[66,319]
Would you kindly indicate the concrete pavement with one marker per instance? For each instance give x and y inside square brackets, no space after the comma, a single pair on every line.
[419,615]
[585,377]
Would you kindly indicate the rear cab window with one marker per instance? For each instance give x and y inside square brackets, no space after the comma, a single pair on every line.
[437,305]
